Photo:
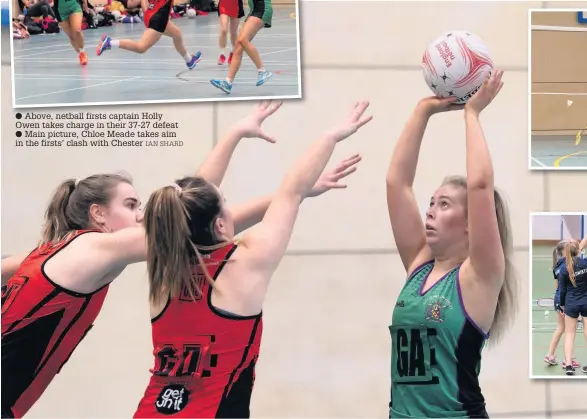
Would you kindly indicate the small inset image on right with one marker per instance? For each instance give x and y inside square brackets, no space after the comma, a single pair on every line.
[558,83]
[558,287]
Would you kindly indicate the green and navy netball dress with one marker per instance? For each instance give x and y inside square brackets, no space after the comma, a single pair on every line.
[436,351]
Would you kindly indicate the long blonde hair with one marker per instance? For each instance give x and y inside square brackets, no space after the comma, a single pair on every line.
[176,218]
[571,250]
[507,302]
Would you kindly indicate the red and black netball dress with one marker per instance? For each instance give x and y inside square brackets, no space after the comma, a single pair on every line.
[231,8]
[158,14]
[42,324]
[204,357]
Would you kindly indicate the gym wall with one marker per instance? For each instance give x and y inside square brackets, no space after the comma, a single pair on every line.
[552,228]
[326,345]
[557,69]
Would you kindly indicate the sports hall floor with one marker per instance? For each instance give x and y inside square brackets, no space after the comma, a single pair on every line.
[544,319]
[551,151]
[47,71]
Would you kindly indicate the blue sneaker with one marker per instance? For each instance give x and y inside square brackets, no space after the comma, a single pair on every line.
[195,60]
[263,76]
[223,85]
[103,45]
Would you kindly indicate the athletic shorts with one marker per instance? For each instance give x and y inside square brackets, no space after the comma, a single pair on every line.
[158,14]
[575,311]
[263,10]
[231,8]
[65,8]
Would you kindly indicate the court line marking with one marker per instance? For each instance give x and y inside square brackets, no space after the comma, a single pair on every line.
[277,52]
[131,61]
[138,77]
[196,35]
[137,37]
[558,28]
[534,159]
[559,94]
[78,88]
[558,161]
[201,47]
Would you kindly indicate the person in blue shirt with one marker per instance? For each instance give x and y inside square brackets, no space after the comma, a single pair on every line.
[572,280]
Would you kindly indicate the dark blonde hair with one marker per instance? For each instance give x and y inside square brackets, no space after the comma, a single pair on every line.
[507,302]
[177,218]
[571,250]
[69,209]
[558,252]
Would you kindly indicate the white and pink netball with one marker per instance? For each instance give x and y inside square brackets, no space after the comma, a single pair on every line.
[456,64]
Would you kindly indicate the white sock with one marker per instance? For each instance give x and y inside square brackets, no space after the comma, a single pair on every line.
[260,70]
[114,44]
[188,57]
[81,50]
[223,51]
[228,80]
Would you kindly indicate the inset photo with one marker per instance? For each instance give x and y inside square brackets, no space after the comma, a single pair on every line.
[558,89]
[101,52]
[558,268]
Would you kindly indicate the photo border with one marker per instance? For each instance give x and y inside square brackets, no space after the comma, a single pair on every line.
[531,374]
[543,167]
[55,106]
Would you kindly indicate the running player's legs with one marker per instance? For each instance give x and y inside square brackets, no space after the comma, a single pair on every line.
[69,14]
[550,358]
[571,317]
[150,37]
[158,23]
[234,22]
[174,33]
[243,44]
[229,12]
[222,37]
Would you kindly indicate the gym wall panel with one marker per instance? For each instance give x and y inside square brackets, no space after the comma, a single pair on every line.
[546,227]
[555,4]
[562,192]
[557,18]
[551,112]
[361,220]
[392,40]
[551,63]
[572,227]
[569,395]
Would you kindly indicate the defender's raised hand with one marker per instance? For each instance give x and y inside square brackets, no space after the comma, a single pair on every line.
[353,122]
[251,125]
[330,178]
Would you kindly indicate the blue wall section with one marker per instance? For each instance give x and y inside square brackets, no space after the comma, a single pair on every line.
[5,13]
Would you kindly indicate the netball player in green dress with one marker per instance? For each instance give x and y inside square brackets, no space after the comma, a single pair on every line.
[460,285]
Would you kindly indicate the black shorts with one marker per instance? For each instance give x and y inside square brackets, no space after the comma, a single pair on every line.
[262,9]
[574,311]
[158,16]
